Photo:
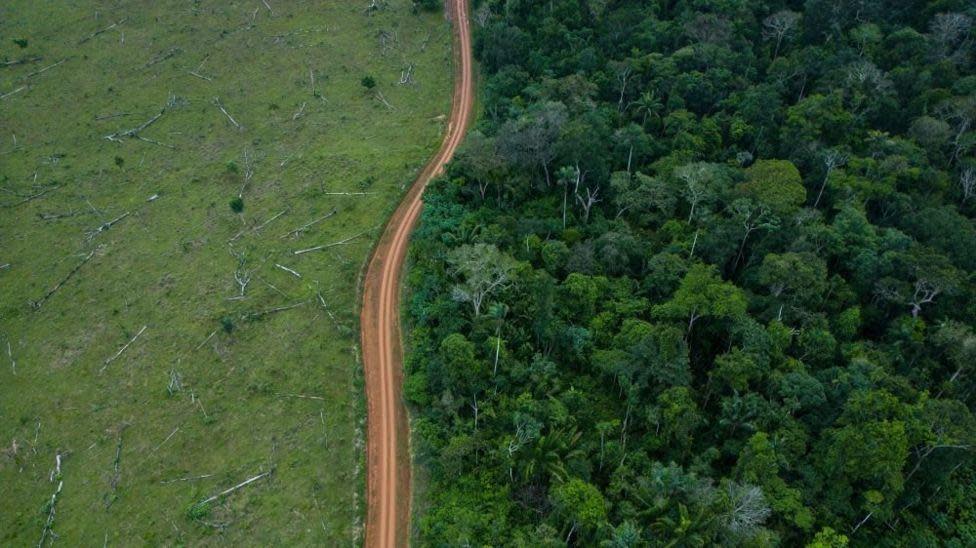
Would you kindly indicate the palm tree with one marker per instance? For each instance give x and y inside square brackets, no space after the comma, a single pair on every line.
[648,104]
[687,531]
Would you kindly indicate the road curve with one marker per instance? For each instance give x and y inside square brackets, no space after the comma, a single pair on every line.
[387,443]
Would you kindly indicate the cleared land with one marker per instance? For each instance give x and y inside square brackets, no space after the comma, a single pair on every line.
[128,345]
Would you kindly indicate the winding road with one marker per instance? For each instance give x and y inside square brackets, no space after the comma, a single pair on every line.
[388,442]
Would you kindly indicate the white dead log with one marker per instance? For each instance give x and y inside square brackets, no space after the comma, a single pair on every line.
[192,478]
[267,5]
[288,270]
[247,174]
[300,113]
[200,76]
[50,507]
[10,356]
[347,193]
[379,97]
[33,197]
[242,275]
[20,61]
[110,116]
[327,246]
[134,132]
[18,90]
[45,69]
[210,336]
[91,234]
[262,313]
[227,114]
[258,228]
[97,32]
[226,492]
[37,304]
[309,224]
[121,350]
[162,57]
[406,75]
[302,396]
[327,310]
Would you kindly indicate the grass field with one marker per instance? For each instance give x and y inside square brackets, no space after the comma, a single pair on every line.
[127,345]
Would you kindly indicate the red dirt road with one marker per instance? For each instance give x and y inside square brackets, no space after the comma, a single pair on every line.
[387,444]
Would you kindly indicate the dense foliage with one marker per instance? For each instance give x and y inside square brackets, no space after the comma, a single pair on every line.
[704,273]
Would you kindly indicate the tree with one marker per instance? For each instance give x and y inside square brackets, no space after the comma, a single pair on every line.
[776,184]
[703,182]
[828,538]
[794,278]
[746,510]
[484,271]
[647,105]
[580,504]
[778,26]
[531,140]
[703,294]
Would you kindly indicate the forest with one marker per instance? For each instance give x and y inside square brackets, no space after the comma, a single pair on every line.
[703,274]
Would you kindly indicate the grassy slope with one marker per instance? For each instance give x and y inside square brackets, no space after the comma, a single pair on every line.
[169,266]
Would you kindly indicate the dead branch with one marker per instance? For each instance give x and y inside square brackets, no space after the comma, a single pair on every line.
[327,310]
[379,97]
[193,478]
[4,266]
[121,350]
[406,75]
[45,69]
[10,355]
[57,216]
[242,275]
[259,227]
[20,61]
[308,225]
[226,492]
[229,117]
[162,57]
[327,246]
[18,90]
[288,270]
[171,434]
[261,314]
[91,234]
[110,116]
[247,174]
[33,197]
[50,506]
[210,336]
[302,396]
[196,71]
[300,113]
[37,304]
[347,193]
[268,6]
[134,132]
[272,286]
[97,32]
[117,474]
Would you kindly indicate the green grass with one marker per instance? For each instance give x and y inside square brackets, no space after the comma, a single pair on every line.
[169,264]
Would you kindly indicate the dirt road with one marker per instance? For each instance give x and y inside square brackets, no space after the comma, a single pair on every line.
[387,444]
